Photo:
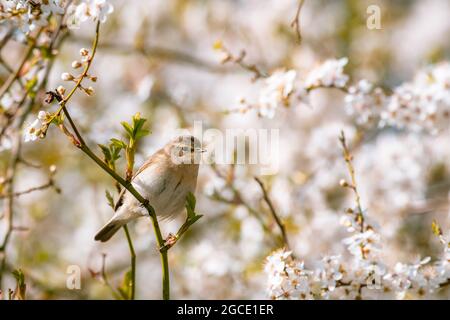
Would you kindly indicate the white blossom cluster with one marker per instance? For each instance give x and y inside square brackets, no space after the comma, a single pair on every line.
[95,10]
[403,172]
[328,74]
[424,103]
[276,92]
[29,15]
[365,102]
[282,87]
[334,277]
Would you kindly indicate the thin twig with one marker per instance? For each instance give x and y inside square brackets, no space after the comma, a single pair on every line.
[351,170]
[240,61]
[296,22]
[238,200]
[47,185]
[277,219]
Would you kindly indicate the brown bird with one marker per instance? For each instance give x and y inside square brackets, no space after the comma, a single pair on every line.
[165,180]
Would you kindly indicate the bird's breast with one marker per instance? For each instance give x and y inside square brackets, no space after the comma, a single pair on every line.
[166,189]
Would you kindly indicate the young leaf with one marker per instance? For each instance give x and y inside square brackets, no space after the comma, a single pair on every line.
[190,205]
[135,129]
[110,199]
[141,133]
[106,152]
[127,128]
[118,143]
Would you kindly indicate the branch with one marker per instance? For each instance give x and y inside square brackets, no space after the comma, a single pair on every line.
[49,184]
[237,200]
[351,170]
[274,213]
[296,22]
[15,158]
[239,60]
[80,143]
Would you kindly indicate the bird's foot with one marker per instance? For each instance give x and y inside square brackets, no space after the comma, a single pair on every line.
[169,242]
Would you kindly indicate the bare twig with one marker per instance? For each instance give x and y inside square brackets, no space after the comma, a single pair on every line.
[237,198]
[277,219]
[296,24]
[47,185]
[351,170]
[239,60]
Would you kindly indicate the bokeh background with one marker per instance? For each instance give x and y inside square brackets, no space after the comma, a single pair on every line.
[157,57]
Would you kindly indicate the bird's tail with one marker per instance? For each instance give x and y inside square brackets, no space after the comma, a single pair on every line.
[110,229]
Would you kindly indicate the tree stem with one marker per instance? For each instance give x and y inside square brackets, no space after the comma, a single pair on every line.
[133,262]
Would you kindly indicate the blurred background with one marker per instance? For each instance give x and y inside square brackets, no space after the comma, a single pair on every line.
[157,57]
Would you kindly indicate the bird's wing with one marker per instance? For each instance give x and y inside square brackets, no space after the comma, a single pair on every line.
[142,168]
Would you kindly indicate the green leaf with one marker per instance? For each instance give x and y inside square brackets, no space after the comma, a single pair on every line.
[141,133]
[19,292]
[106,152]
[118,143]
[110,199]
[127,128]
[194,219]
[190,205]
[135,129]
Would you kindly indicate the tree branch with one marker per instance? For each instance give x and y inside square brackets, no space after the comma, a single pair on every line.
[274,213]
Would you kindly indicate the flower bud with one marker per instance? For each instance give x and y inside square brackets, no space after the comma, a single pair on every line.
[343,183]
[84,52]
[76,64]
[52,168]
[89,91]
[61,90]
[42,115]
[67,76]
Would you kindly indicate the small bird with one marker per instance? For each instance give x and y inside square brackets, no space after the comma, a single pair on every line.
[165,180]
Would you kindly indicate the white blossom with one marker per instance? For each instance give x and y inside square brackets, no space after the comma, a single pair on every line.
[31,131]
[276,92]
[96,10]
[424,103]
[328,74]
[363,244]
[364,102]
